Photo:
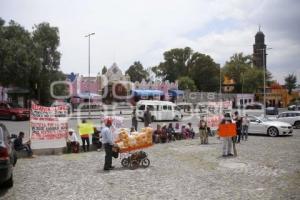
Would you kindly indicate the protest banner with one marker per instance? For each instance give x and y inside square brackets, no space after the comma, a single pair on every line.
[227,130]
[48,123]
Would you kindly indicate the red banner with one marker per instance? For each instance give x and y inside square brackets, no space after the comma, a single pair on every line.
[48,123]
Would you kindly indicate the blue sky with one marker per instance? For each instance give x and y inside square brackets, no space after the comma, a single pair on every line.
[131,30]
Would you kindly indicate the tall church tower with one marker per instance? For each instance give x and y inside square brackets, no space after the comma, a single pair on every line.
[259,50]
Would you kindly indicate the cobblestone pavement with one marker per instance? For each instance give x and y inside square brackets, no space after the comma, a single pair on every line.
[266,168]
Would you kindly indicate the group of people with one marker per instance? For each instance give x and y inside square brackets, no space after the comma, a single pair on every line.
[85,130]
[167,133]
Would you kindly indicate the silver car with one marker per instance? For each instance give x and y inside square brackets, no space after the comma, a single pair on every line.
[259,125]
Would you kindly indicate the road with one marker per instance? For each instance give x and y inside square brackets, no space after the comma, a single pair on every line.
[266,168]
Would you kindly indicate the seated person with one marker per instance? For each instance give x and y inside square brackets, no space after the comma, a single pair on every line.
[164,135]
[171,132]
[96,139]
[178,132]
[72,142]
[190,130]
[184,132]
[19,145]
[156,134]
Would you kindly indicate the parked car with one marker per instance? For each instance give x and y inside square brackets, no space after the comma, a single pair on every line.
[292,117]
[160,110]
[259,125]
[272,111]
[294,107]
[13,111]
[255,109]
[8,158]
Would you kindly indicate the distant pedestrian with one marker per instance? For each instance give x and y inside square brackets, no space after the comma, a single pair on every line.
[147,117]
[107,140]
[203,131]
[245,126]
[134,122]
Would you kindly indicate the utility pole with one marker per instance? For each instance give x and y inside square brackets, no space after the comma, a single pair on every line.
[89,36]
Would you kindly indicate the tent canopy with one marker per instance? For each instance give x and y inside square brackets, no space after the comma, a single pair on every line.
[175,93]
[147,93]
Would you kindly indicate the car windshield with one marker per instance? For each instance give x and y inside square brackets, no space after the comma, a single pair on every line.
[263,119]
[13,105]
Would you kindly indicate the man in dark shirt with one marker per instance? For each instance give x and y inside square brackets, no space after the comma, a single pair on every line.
[18,144]
[238,122]
[147,117]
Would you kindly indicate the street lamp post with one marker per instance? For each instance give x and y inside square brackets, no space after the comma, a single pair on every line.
[264,66]
[89,36]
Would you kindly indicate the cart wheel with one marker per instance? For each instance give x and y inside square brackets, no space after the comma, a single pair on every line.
[125,162]
[145,162]
[134,164]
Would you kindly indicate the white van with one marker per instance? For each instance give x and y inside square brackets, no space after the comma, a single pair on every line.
[160,110]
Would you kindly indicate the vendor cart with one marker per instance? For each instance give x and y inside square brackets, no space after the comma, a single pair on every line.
[133,158]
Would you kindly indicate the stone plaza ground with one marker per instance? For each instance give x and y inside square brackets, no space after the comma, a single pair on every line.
[265,168]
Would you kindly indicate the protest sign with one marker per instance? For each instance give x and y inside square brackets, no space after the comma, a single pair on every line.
[227,130]
[48,123]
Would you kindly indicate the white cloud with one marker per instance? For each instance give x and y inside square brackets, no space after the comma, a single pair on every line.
[142,30]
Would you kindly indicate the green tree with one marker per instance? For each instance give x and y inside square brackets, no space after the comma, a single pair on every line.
[186,83]
[104,70]
[205,72]
[17,56]
[290,82]
[137,72]
[246,77]
[237,65]
[184,62]
[46,41]
[30,60]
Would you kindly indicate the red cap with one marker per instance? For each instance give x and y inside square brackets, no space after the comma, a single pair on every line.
[108,122]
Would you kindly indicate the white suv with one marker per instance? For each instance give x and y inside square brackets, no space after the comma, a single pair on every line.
[292,117]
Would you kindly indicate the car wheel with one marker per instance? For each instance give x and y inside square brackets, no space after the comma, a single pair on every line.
[272,131]
[297,124]
[9,183]
[13,117]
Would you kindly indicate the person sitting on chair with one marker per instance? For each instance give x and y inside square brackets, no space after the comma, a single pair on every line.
[164,134]
[19,145]
[73,142]
[156,134]
[171,132]
[191,130]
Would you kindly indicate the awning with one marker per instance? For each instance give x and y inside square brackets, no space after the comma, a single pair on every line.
[175,93]
[87,95]
[147,93]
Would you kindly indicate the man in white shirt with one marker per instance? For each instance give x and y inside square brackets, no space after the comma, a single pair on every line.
[107,140]
[72,141]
